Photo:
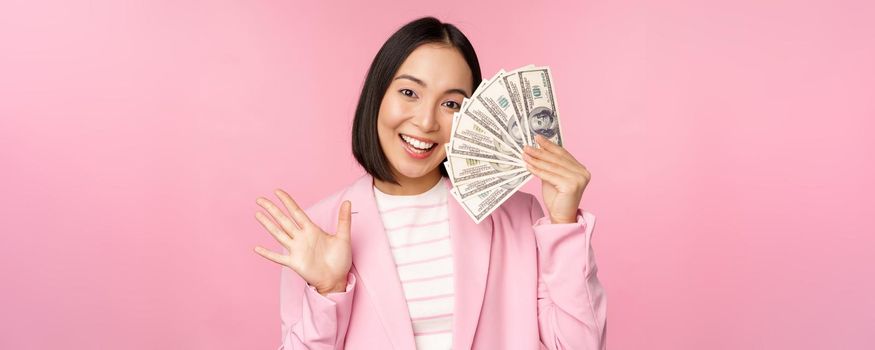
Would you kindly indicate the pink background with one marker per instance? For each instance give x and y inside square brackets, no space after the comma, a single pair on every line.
[731,146]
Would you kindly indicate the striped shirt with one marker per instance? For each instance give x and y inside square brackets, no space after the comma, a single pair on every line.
[418,231]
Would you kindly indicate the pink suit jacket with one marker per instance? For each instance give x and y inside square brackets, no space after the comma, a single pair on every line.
[521,283]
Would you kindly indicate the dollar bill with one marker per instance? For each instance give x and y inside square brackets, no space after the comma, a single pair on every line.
[512,84]
[477,111]
[479,206]
[484,154]
[469,130]
[462,146]
[540,112]
[479,185]
[497,101]
[462,170]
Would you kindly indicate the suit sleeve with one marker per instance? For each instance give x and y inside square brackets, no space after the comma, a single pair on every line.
[310,320]
[571,300]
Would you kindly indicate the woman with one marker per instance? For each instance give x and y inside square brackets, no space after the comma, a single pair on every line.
[410,270]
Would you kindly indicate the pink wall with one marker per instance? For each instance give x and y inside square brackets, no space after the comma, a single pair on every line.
[730,144]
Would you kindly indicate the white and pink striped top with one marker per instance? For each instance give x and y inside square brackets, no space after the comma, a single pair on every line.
[418,230]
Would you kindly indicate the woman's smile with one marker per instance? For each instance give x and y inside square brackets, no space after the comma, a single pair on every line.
[416,147]
[415,116]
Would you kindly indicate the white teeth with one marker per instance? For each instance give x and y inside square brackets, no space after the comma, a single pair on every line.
[416,143]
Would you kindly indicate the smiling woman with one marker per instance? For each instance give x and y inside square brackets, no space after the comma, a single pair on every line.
[413,271]
[417,114]
[411,105]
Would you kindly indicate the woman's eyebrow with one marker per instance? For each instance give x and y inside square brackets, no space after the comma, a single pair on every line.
[411,78]
[420,82]
[460,91]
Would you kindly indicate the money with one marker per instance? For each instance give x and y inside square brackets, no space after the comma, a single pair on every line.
[462,170]
[495,98]
[466,129]
[481,185]
[478,113]
[485,202]
[484,155]
[464,146]
[540,113]
[512,85]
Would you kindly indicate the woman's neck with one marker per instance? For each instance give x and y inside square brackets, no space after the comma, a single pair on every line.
[408,186]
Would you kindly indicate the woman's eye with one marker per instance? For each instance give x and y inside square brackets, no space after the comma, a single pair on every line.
[452,104]
[407,92]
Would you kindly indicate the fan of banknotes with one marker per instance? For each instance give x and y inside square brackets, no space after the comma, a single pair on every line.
[484,155]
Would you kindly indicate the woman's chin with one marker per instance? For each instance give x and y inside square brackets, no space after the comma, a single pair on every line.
[415,172]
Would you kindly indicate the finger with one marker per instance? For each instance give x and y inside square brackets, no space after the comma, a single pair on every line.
[546,176]
[297,213]
[344,220]
[545,142]
[552,148]
[281,235]
[549,166]
[285,222]
[270,255]
[557,149]
[559,159]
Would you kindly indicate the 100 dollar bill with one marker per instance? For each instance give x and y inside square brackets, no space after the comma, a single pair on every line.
[462,170]
[540,111]
[462,146]
[484,154]
[495,98]
[480,185]
[468,130]
[531,91]
[484,203]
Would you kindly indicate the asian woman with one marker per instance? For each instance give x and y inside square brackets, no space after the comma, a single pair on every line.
[410,270]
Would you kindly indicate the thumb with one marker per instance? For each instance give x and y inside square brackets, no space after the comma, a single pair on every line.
[344,220]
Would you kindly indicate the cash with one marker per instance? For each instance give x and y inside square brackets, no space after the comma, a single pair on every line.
[484,155]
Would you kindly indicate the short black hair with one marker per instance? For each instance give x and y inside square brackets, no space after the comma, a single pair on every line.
[365,141]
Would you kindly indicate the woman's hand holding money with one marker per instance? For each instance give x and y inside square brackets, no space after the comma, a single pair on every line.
[563,178]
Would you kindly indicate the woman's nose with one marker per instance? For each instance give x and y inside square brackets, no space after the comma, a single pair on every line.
[426,119]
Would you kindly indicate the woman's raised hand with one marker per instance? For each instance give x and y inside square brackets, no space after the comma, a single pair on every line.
[321,259]
[563,178]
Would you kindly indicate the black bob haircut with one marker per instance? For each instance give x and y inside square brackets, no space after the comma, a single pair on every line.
[365,141]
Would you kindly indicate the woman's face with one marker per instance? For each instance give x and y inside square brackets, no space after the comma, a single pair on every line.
[416,113]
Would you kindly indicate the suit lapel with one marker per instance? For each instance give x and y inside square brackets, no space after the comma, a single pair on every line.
[373,260]
[471,251]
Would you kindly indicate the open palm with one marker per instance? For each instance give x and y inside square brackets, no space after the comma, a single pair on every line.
[323,260]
